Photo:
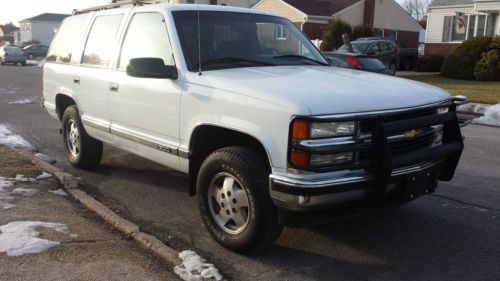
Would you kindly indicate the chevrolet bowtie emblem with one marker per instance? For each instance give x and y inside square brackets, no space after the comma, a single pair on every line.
[411,134]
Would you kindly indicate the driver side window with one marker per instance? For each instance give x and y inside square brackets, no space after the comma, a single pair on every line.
[374,49]
[146,37]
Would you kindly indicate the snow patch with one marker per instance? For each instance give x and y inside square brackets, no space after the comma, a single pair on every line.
[24,191]
[10,139]
[491,116]
[196,268]
[59,191]
[23,101]
[43,176]
[476,108]
[20,237]
[46,158]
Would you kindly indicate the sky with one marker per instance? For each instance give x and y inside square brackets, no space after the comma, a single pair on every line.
[16,10]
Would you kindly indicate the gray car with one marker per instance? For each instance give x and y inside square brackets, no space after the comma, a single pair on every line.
[12,54]
[385,50]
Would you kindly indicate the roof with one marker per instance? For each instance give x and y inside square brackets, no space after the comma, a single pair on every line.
[321,7]
[439,3]
[47,17]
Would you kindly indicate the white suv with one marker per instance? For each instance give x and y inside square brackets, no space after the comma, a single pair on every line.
[242,102]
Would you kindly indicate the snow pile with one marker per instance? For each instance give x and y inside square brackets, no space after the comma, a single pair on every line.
[24,191]
[21,238]
[59,191]
[23,101]
[476,108]
[43,176]
[196,268]
[10,139]
[46,158]
[491,116]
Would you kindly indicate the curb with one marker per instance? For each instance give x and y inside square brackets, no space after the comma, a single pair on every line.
[128,228]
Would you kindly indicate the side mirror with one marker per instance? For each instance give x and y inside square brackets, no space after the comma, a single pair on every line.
[151,68]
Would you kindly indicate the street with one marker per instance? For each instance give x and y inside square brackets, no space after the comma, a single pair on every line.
[452,234]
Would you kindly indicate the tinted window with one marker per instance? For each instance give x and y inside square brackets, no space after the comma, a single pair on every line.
[358,47]
[146,37]
[13,50]
[67,40]
[101,40]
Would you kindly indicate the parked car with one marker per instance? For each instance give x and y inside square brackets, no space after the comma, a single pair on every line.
[35,51]
[268,133]
[386,50]
[408,57]
[356,61]
[12,54]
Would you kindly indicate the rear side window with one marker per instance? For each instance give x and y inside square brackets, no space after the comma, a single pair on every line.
[67,40]
[146,37]
[101,40]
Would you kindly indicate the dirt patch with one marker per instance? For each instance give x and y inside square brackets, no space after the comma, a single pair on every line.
[13,163]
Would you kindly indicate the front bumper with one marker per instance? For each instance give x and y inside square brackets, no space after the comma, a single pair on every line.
[381,181]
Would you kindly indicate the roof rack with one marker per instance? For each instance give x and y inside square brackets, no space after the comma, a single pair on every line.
[113,6]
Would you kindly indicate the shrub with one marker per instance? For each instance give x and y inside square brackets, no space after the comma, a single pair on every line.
[488,68]
[430,63]
[461,62]
[332,36]
[362,31]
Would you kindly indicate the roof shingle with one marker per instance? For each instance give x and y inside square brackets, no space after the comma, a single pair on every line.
[47,17]
[321,7]
[439,3]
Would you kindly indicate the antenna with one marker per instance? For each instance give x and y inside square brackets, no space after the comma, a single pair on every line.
[199,43]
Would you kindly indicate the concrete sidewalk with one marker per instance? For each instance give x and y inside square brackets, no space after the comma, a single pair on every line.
[88,249]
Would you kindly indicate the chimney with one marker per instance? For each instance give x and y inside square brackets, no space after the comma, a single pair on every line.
[213,2]
[369,13]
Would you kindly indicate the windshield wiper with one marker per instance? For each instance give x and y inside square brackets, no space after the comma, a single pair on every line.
[299,57]
[230,60]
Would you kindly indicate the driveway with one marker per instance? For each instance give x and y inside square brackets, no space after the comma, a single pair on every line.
[450,235]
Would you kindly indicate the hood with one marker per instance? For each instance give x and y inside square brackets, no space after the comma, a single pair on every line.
[324,90]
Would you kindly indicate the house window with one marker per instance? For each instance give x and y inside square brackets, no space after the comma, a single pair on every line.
[280,32]
[458,28]
[490,25]
[472,26]
[447,28]
[481,21]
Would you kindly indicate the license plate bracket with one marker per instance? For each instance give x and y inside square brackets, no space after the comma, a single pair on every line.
[420,184]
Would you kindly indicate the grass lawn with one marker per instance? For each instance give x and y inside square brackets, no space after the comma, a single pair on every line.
[476,91]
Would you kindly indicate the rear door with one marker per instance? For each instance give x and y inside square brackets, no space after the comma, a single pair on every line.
[92,79]
[146,110]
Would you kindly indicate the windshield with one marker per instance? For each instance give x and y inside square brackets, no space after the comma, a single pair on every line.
[358,47]
[231,40]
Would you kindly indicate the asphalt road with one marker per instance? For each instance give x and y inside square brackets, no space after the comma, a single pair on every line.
[453,234]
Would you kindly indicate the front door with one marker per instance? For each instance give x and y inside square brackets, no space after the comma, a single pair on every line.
[145,111]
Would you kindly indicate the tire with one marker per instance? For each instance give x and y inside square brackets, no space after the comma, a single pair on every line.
[23,63]
[84,152]
[30,56]
[392,68]
[2,62]
[258,227]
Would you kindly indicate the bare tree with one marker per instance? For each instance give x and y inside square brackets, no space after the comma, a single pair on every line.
[416,8]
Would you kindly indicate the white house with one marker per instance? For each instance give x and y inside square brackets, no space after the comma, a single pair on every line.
[450,22]
[41,27]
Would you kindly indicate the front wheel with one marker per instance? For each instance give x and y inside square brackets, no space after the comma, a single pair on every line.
[83,151]
[31,56]
[234,200]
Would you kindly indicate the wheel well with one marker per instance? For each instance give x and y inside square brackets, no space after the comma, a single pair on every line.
[207,138]
[62,102]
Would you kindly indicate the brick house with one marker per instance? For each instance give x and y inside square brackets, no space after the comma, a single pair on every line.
[450,22]
[386,17]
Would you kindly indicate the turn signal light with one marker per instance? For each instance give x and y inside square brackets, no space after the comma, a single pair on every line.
[299,159]
[300,130]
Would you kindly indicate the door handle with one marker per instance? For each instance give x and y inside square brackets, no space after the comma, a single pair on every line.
[76,79]
[113,87]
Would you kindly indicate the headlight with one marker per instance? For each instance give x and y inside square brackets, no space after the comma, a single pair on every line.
[333,129]
[442,110]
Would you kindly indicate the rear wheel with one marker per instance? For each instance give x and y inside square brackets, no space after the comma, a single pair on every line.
[31,56]
[83,151]
[2,62]
[234,200]
[392,68]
